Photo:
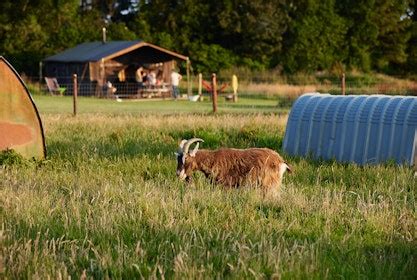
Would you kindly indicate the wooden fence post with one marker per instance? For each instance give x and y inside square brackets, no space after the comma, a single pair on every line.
[214,91]
[40,75]
[200,87]
[234,86]
[415,154]
[75,94]
[343,84]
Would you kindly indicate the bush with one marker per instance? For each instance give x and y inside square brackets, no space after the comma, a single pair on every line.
[10,157]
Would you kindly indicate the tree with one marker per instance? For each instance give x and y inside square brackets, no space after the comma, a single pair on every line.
[361,34]
[23,44]
[119,31]
[411,64]
[304,35]
[314,37]
[390,49]
[32,30]
[252,29]
[211,57]
[141,27]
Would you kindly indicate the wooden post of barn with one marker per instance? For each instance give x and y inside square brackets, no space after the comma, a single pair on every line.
[343,84]
[200,87]
[214,92]
[75,93]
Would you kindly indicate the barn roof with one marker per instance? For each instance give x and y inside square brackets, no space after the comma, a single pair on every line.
[94,51]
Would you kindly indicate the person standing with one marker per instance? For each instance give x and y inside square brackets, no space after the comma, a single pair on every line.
[152,79]
[138,75]
[175,82]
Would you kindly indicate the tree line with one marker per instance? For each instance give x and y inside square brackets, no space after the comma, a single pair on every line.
[285,35]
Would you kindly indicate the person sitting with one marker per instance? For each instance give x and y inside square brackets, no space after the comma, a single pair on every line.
[110,89]
[138,75]
[159,78]
[144,78]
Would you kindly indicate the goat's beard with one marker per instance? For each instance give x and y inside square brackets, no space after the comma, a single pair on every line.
[182,175]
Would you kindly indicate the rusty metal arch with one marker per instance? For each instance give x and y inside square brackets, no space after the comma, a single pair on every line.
[20,124]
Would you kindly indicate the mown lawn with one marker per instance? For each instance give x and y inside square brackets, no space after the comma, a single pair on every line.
[106,203]
[64,105]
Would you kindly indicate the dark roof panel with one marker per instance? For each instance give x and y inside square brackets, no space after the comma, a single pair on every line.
[92,51]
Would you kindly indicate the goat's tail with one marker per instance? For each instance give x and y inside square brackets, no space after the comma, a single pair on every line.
[289,167]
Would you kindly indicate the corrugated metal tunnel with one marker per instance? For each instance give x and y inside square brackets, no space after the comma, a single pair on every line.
[365,129]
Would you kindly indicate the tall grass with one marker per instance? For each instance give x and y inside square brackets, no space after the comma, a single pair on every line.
[274,83]
[107,204]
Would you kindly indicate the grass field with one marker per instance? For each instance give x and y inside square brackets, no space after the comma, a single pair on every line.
[63,105]
[106,202]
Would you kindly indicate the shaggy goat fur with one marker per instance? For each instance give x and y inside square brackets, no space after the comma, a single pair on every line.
[260,167]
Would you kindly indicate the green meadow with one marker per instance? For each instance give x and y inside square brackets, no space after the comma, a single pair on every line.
[106,203]
[249,104]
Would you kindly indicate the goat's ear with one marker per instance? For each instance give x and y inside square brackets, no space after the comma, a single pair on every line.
[194,151]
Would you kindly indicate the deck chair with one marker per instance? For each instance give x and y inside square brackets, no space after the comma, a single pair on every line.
[207,85]
[53,86]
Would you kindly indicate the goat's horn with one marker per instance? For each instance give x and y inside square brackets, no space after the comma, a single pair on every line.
[181,149]
[189,142]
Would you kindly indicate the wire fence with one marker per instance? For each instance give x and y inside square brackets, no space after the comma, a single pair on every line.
[289,86]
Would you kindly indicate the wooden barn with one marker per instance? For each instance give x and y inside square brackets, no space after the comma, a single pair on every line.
[120,65]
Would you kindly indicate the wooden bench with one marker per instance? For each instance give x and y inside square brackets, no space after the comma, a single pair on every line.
[156,91]
[53,86]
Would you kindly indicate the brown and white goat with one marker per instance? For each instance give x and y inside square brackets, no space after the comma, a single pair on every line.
[260,167]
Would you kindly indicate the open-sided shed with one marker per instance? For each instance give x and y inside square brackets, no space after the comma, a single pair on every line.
[95,63]
[365,129]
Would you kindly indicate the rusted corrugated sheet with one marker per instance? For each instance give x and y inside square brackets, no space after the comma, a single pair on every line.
[20,124]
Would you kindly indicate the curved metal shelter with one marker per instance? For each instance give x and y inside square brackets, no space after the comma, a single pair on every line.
[364,129]
[20,124]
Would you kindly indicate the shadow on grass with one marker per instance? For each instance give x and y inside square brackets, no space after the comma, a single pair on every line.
[269,210]
[380,260]
[320,162]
